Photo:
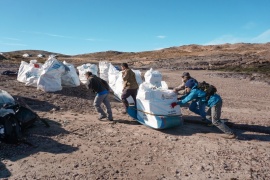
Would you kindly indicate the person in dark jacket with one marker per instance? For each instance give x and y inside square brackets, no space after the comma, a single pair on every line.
[214,103]
[100,87]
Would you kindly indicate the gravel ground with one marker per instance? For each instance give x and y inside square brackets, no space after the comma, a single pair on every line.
[79,146]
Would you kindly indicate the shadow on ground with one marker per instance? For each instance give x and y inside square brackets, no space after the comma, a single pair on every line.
[38,139]
[193,125]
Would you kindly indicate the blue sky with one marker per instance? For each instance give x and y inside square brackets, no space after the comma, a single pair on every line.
[85,26]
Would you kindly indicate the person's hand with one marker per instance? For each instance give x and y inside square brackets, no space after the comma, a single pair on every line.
[173,104]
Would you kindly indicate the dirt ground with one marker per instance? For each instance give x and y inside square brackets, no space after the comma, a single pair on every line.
[79,146]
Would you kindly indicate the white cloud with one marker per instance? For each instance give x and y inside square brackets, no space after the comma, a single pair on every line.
[249,25]
[90,39]
[224,39]
[157,49]
[262,38]
[13,44]
[161,37]
[13,39]
[49,34]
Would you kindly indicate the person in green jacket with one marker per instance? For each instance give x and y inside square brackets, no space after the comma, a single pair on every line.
[130,86]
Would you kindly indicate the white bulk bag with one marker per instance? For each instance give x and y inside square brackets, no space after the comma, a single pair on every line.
[70,78]
[104,70]
[29,73]
[50,78]
[155,102]
[86,68]
[23,69]
[153,77]
[113,76]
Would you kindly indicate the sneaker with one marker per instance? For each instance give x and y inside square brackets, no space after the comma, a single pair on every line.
[101,117]
[228,136]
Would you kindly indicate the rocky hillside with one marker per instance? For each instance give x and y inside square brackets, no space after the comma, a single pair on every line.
[247,58]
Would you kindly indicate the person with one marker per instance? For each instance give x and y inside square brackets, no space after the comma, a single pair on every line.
[101,88]
[195,106]
[181,88]
[130,86]
[214,103]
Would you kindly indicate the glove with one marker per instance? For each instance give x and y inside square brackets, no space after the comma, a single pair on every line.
[173,104]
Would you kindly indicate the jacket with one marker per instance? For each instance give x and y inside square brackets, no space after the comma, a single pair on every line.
[129,79]
[95,85]
[194,94]
[213,100]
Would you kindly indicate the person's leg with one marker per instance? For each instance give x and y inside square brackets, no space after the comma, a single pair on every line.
[193,107]
[198,108]
[202,109]
[107,103]
[97,102]
[216,113]
[133,95]
[124,97]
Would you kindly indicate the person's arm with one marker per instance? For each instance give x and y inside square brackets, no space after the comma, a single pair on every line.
[89,84]
[192,95]
[180,87]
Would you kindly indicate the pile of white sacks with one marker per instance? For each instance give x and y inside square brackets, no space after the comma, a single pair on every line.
[153,98]
[48,77]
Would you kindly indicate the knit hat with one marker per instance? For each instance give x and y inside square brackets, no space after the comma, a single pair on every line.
[190,83]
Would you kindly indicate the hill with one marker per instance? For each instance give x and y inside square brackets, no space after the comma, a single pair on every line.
[241,57]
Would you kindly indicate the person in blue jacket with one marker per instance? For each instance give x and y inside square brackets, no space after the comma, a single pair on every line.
[195,95]
[214,103]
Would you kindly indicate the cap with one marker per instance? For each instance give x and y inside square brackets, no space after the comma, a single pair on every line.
[190,83]
[186,74]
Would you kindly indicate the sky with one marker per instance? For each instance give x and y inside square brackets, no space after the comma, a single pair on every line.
[74,27]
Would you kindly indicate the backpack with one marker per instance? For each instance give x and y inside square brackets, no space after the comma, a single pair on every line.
[207,88]
[10,129]
[25,116]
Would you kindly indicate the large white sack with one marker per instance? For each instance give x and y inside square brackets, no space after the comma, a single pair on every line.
[149,92]
[153,77]
[6,98]
[104,70]
[118,89]
[50,78]
[29,72]
[86,68]
[113,74]
[22,71]
[70,78]
[152,102]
